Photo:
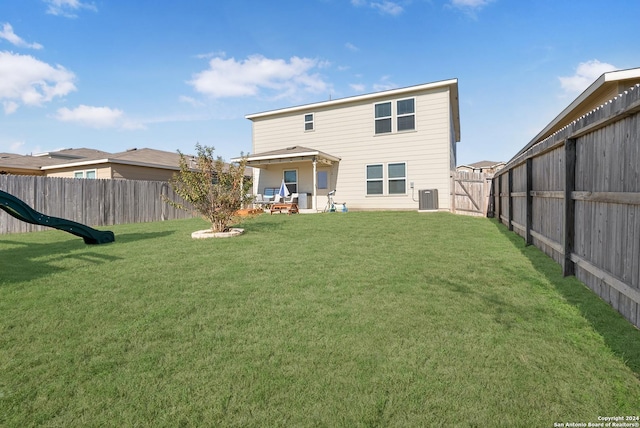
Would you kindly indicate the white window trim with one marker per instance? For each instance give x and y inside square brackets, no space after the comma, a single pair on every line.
[385,180]
[312,122]
[84,173]
[394,117]
[389,179]
[398,116]
[367,179]
[292,182]
[376,119]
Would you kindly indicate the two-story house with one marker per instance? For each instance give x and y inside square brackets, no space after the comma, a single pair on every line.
[376,150]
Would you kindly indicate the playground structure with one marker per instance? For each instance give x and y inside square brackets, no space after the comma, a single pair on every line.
[23,212]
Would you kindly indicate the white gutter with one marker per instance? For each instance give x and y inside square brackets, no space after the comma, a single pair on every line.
[374,95]
[107,160]
[611,76]
[289,155]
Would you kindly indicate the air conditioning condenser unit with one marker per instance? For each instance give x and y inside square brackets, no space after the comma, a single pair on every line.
[427,199]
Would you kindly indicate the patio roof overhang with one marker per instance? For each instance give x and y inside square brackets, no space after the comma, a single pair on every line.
[289,154]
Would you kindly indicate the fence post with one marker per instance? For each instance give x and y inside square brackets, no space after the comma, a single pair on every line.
[568,267]
[499,203]
[453,192]
[529,202]
[510,179]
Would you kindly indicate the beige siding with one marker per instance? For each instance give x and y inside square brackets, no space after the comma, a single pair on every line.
[132,172]
[347,131]
[101,171]
[116,171]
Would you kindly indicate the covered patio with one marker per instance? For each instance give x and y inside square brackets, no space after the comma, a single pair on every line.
[308,172]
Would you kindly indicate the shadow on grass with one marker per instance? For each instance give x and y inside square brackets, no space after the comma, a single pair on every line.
[622,338]
[125,238]
[26,261]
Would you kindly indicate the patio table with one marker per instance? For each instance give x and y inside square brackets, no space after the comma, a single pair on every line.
[289,208]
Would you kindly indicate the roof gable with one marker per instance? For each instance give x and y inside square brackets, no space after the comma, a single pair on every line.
[451,85]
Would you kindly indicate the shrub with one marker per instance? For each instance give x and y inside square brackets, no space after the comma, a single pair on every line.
[215,190]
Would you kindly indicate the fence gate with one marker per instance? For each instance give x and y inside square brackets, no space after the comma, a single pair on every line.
[470,194]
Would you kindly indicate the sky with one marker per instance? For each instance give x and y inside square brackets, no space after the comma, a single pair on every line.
[119,74]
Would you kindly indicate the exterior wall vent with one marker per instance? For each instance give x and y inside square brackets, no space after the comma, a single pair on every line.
[427,199]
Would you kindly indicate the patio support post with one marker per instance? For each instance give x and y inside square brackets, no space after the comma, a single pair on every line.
[314,203]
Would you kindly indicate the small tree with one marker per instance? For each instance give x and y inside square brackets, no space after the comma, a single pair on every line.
[214,189]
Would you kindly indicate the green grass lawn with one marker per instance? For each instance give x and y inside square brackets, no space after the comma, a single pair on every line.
[357,319]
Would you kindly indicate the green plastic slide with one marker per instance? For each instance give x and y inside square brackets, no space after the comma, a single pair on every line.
[23,212]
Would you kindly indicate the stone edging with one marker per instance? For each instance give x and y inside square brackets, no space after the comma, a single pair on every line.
[207,233]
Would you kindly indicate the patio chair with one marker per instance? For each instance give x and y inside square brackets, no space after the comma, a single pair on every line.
[259,201]
[293,199]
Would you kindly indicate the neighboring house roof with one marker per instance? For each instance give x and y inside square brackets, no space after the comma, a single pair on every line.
[606,87]
[290,154]
[69,158]
[453,96]
[74,158]
[137,157]
[29,163]
[82,153]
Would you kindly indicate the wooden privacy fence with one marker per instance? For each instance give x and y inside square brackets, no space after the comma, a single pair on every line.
[576,196]
[470,194]
[91,202]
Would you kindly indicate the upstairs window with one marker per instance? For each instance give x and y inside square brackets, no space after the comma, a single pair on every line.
[406,113]
[308,122]
[396,116]
[383,118]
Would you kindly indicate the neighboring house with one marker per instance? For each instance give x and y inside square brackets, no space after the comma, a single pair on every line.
[605,88]
[377,150]
[488,167]
[134,164]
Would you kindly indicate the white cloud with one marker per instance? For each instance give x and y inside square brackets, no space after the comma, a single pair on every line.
[384,84]
[8,34]
[95,117]
[470,4]
[586,73]
[98,117]
[26,80]
[219,54]
[192,101]
[256,74]
[10,106]
[67,8]
[12,147]
[357,87]
[16,146]
[388,7]
[384,6]
[469,7]
[351,47]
